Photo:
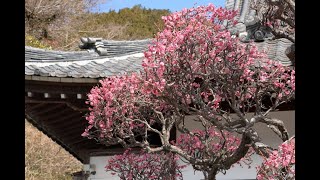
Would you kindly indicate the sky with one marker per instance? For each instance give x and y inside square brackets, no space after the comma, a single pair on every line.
[172,5]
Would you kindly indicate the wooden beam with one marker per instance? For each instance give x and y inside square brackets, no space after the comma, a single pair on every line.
[75,139]
[71,128]
[71,137]
[78,141]
[48,109]
[55,116]
[66,117]
[72,151]
[76,108]
[30,107]
[110,151]
[53,101]
[72,132]
[89,145]
[71,104]
[62,80]
[57,88]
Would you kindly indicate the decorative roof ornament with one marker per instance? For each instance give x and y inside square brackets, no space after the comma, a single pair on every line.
[250,28]
[101,58]
[95,44]
[112,47]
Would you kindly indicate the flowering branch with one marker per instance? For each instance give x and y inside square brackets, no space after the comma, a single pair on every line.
[194,67]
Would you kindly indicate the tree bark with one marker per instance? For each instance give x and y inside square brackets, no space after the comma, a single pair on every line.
[212,175]
[290,52]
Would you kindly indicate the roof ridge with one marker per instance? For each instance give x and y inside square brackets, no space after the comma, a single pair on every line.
[102,46]
[54,51]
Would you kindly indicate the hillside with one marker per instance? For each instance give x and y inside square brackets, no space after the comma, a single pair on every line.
[126,24]
[46,160]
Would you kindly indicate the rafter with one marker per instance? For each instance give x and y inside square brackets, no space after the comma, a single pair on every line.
[32,107]
[77,105]
[48,109]
[65,118]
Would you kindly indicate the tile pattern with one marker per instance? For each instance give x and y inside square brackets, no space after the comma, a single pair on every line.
[274,48]
[121,57]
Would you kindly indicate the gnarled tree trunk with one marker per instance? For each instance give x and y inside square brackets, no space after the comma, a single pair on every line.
[210,175]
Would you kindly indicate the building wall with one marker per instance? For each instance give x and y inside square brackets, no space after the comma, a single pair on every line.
[99,163]
[236,172]
[267,136]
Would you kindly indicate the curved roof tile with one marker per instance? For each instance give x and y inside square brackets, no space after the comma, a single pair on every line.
[248,22]
[79,64]
[123,56]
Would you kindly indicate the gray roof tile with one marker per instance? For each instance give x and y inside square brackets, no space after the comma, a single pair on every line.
[275,49]
[85,64]
[28,70]
[114,48]
[106,73]
[82,64]
[248,22]
[36,55]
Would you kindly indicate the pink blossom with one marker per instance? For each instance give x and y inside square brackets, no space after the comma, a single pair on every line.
[140,165]
[195,146]
[193,66]
[280,163]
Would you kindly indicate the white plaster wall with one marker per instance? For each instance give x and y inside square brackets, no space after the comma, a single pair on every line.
[234,173]
[99,162]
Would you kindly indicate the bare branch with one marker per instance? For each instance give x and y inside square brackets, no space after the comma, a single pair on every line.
[275,123]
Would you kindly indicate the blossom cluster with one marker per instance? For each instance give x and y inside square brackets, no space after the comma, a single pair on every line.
[193,66]
[143,166]
[212,144]
[280,164]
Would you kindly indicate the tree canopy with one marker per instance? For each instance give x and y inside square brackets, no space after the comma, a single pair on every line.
[195,66]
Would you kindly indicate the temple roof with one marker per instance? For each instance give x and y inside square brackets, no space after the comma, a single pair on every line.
[112,48]
[57,83]
[275,49]
[249,28]
[120,57]
[78,64]
[89,64]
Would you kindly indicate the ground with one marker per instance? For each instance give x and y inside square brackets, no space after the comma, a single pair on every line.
[45,159]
